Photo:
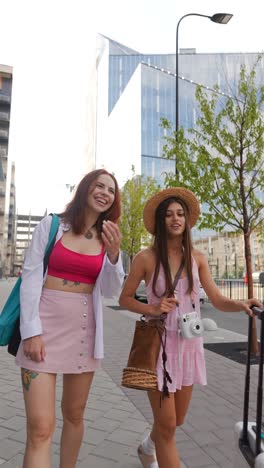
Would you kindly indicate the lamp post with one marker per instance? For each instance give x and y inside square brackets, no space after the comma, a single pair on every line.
[221,18]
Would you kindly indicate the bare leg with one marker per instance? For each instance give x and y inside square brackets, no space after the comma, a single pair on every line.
[171,414]
[75,393]
[39,395]
[163,430]
[182,400]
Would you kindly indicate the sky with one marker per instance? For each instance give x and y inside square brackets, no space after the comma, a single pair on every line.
[51,45]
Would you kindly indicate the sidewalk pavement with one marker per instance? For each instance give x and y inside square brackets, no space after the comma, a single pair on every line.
[116,418]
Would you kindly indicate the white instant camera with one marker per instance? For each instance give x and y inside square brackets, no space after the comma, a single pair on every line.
[190,325]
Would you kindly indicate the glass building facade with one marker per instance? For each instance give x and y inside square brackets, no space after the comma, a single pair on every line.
[135,91]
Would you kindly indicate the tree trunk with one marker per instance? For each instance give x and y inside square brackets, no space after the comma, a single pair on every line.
[254,346]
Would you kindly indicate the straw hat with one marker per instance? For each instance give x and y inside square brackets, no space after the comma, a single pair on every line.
[179,192]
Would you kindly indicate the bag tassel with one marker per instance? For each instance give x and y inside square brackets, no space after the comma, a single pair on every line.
[166,375]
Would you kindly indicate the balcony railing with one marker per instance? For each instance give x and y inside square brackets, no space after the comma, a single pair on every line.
[3,133]
[238,289]
[4,98]
[4,116]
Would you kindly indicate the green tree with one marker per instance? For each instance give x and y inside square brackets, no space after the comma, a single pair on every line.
[221,160]
[134,195]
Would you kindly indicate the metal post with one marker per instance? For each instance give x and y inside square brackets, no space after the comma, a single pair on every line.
[221,18]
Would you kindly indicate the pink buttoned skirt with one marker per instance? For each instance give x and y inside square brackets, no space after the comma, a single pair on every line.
[68,333]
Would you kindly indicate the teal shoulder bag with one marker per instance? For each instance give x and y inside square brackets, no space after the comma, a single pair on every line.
[9,318]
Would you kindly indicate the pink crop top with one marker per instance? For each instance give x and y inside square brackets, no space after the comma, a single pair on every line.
[73,266]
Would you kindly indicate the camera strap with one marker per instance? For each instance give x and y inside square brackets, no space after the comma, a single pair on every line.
[176,279]
[178,275]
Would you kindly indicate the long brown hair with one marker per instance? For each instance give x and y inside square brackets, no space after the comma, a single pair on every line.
[160,247]
[75,209]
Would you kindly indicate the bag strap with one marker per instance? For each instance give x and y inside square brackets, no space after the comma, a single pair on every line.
[51,240]
[163,339]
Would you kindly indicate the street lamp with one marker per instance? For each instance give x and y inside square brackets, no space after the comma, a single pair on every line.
[221,18]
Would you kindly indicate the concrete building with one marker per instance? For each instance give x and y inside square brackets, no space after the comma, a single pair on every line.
[226,256]
[11,246]
[25,225]
[6,74]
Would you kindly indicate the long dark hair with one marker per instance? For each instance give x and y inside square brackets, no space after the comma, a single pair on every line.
[75,210]
[160,247]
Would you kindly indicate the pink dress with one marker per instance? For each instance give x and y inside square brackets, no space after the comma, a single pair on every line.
[185,357]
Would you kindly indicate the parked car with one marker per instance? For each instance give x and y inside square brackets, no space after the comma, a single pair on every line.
[202,294]
[141,294]
[258,277]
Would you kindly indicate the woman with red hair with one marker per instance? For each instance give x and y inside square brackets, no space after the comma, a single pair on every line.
[61,315]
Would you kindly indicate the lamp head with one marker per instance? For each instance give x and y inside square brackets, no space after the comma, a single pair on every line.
[221,18]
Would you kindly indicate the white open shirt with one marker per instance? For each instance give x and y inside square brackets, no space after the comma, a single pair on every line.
[108,284]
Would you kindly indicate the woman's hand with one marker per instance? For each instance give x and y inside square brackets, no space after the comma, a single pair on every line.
[112,239]
[34,349]
[166,305]
[245,305]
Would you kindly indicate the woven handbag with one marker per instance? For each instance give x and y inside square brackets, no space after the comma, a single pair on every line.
[141,372]
[149,337]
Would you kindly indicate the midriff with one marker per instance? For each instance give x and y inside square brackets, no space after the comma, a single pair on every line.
[68,286]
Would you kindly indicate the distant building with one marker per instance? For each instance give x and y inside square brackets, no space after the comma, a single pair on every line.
[130,92]
[25,225]
[226,255]
[11,246]
[5,168]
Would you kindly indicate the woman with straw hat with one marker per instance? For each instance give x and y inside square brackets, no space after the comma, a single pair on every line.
[169,216]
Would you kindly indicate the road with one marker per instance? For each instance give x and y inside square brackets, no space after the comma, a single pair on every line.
[235,322]
[5,289]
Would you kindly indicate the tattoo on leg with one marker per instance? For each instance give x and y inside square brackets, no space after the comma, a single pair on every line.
[27,376]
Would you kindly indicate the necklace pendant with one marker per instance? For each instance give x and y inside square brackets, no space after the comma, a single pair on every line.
[88,235]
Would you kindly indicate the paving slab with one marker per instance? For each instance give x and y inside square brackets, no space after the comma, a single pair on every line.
[117,419]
